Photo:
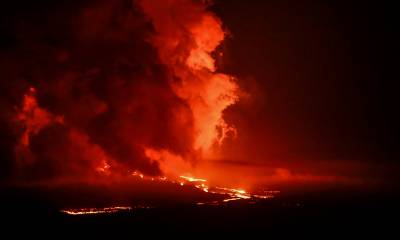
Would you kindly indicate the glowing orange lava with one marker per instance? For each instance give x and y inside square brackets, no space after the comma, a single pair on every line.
[191,179]
[201,183]
[233,193]
[93,211]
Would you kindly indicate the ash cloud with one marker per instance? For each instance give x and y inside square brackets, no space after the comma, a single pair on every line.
[92,64]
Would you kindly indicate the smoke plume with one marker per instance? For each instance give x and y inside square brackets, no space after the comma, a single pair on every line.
[101,88]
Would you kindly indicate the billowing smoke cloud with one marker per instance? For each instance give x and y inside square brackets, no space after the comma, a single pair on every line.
[112,87]
[186,37]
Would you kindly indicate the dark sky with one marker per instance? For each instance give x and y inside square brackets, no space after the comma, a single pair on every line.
[317,76]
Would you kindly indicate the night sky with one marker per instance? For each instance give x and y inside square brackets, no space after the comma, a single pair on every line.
[319,76]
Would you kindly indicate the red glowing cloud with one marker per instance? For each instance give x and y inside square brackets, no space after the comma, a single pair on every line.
[134,88]
[186,35]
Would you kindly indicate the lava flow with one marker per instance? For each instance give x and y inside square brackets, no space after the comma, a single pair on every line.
[231,193]
[228,195]
[93,211]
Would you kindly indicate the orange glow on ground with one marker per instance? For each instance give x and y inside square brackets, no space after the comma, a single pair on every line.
[191,179]
[231,194]
[96,211]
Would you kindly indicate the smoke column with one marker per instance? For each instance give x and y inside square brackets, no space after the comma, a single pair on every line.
[186,35]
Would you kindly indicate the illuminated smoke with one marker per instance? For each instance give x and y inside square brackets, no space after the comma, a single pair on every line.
[186,35]
[132,87]
[73,147]
[31,118]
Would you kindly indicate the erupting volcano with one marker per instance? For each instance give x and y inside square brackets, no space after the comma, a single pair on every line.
[152,105]
[115,116]
[130,110]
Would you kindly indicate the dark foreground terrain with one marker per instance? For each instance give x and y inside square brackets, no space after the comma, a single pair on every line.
[318,212]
